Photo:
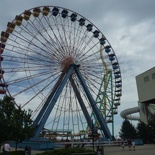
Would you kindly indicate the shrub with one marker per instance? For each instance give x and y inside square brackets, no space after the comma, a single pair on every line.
[14,153]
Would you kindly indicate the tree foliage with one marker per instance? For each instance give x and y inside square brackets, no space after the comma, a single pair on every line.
[147,131]
[152,125]
[15,123]
[144,131]
[127,130]
[6,116]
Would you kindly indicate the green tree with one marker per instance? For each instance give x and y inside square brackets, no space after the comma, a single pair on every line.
[22,125]
[147,131]
[143,131]
[127,130]
[151,126]
[6,115]
[16,124]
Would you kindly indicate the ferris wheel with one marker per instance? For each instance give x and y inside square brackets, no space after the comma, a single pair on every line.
[38,49]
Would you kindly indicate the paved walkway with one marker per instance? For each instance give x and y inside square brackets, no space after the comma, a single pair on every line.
[147,149]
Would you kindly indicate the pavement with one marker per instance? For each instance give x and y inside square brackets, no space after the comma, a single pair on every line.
[147,149]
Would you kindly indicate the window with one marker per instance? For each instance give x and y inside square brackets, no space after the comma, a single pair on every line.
[146,78]
[153,75]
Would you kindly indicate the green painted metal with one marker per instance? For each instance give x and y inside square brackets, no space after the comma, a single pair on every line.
[105,101]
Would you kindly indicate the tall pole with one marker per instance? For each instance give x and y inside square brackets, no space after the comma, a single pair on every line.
[93,133]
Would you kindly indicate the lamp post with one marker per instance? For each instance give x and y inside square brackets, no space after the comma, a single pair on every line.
[92,130]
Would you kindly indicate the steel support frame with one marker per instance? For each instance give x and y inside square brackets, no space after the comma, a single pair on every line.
[52,99]
[96,110]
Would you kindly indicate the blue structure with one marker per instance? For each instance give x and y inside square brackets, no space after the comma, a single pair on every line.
[51,100]
[35,145]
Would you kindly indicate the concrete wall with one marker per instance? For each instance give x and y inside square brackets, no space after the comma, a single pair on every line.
[143,112]
[146,94]
[146,86]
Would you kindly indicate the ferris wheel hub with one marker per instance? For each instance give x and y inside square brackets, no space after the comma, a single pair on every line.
[66,62]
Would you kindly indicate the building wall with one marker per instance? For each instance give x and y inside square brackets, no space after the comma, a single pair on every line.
[146,94]
[143,112]
[146,86]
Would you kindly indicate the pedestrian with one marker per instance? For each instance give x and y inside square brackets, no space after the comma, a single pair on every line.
[123,145]
[7,148]
[133,145]
[67,145]
[26,150]
[129,143]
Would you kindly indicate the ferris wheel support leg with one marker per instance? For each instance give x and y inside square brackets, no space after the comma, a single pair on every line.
[83,107]
[45,106]
[99,116]
[52,102]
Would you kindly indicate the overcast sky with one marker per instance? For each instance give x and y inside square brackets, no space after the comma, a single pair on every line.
[128,25]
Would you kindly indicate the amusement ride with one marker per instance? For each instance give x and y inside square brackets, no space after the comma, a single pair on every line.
[59,64]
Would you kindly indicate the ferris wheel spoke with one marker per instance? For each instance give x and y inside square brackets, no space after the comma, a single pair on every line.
[27,36]
[44,88]
[70,37]
[50,46]
[93,84]
[81,42]
[21,60]
[22,79]
[41,39]
[42,103]
[56,37]
[30,87]
[92,54]
[66,29]
[60,34]
[20,49]
[54,46]
[89,42]
[65,40]
[37,83]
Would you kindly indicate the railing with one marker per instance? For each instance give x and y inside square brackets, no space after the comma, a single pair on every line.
[86,153]
[80,144]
